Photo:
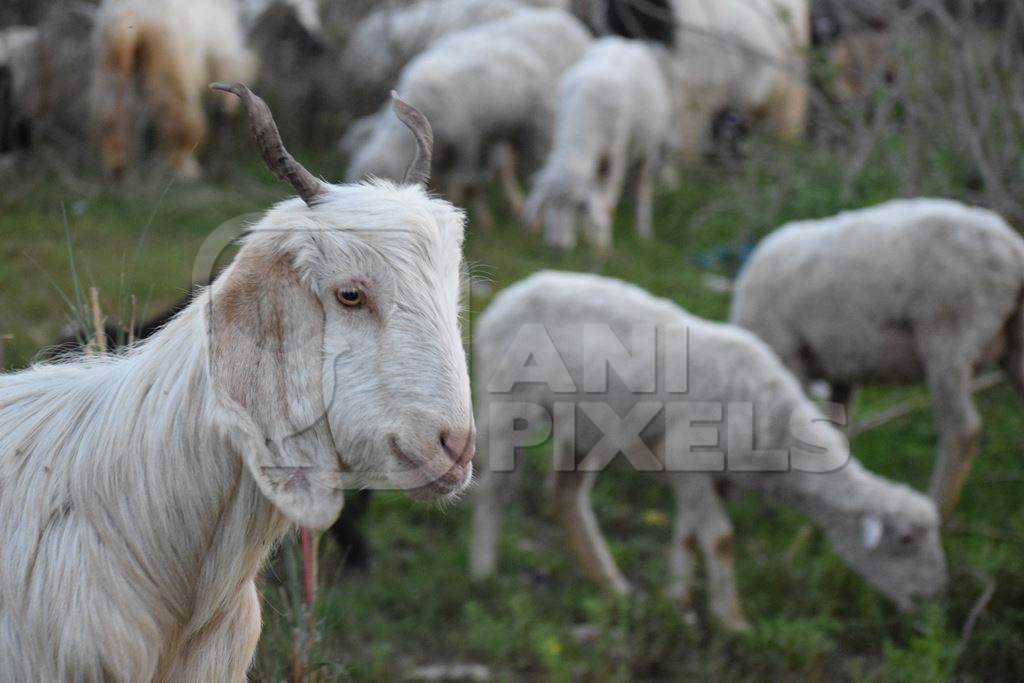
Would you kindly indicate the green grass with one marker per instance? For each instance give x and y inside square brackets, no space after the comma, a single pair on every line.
[813,619]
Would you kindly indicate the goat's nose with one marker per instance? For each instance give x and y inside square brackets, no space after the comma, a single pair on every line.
[459,446]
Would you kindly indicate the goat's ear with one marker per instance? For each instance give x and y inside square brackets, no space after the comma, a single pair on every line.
[266,351]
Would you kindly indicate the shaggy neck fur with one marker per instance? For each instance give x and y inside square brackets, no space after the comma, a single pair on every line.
[839,485]
[112,511]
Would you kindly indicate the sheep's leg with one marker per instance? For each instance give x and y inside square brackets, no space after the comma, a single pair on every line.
[702,517]
[959,428]
[466,185]
[482,210]
[572,496]
[185,132]
[1013,368]
[785,116]
[493,491]
[683,550]
[456,191]
[1012,361]
[462,191]
[487,506]
[111,100]
[645,196]
[182,127]
[844,394]
[602,204]
[618,166]
[505,161]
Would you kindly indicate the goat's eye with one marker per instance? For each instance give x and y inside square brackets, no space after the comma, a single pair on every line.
[352,298]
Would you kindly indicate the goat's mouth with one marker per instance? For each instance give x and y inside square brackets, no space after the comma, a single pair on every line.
[429,479]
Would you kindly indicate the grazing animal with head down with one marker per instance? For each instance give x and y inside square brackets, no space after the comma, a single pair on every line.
[172,48]
[387,39]
[635,372]
[140,493]
[909,290]
[488,90]
[614,117]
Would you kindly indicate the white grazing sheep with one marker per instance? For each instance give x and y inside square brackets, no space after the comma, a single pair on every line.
[173,48]
[624,365]
[139,494]
[380,45]
[744,55]
[17,83]
[483,88]
[909,290]
[614,116]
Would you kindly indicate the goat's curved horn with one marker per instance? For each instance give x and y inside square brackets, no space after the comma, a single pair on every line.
[268,139]
[419,169]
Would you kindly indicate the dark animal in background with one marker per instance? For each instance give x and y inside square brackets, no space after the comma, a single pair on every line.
[728,131]
[651,20]
[353,547]
[14,132]
[831,19]
[17,78]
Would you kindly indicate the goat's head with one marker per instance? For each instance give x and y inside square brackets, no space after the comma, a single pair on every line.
[336,351]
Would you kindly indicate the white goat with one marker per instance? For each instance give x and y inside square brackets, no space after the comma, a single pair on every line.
[745,55]
[614,116]
[139,495]
[909,290]
[380,45]
[484,88]
[546,345]
[174,48]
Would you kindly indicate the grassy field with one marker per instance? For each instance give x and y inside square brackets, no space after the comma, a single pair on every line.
[813,619]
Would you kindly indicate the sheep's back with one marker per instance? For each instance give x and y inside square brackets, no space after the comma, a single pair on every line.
[857,289]
[725,364]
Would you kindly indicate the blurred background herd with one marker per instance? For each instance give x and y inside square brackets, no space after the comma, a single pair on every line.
[115,164]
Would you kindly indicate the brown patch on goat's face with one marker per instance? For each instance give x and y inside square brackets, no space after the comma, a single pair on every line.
[690,544]
[723,547]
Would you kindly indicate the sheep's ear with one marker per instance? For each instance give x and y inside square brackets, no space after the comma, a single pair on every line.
[871,531]
[266,350]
